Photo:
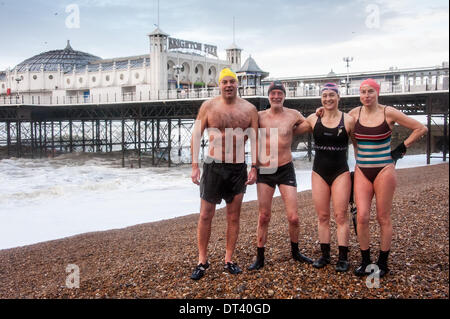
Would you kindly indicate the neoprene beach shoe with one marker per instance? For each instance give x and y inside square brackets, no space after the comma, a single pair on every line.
[321,262]
[342,266]
[361,270]
[232,268]
[383,270]
[199,271]
[258,264]
[302,258]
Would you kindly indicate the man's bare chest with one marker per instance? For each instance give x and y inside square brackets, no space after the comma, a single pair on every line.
[224,120]
[283,126]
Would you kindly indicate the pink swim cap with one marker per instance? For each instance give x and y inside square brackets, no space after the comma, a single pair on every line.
[372,83]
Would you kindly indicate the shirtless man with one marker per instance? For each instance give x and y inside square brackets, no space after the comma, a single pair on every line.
[225,117]
[285,120]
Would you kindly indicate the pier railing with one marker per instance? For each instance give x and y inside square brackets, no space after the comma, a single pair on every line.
[183,94]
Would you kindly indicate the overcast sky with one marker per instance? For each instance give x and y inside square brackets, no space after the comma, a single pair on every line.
[286,38]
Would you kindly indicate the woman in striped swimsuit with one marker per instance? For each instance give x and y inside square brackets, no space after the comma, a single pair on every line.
[374,171]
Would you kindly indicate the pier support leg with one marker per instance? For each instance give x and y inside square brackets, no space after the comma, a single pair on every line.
[153,142]
[309,147]
[19,138]
[123,143]
[429,105]
[445,144]
[139,142]
[169,142]
[32,138]
[53,139]
[83,139]
[8,138]
[45,139]
[70,136]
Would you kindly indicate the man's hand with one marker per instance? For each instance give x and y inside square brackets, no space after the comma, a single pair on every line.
[251,179]
[320,111]
[195,175]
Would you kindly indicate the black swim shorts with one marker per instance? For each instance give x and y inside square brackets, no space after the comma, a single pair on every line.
[222,181]
[284,175]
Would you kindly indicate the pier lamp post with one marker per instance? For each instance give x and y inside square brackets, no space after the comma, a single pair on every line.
[18,81]
[347,60]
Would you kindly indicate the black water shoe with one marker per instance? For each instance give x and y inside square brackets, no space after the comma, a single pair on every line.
[342,266]
[258,264]
[199,271]
[361,270]
[302,258]
[383,270]
[321,262]
[232,268]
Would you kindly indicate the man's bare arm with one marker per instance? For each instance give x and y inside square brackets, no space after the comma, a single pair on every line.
[254,146]
[200,124]
[254,125]
[304,127]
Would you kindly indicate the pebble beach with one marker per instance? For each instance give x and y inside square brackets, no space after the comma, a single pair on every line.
[155,260]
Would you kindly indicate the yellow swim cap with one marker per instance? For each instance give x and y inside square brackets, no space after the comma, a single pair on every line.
[227,72]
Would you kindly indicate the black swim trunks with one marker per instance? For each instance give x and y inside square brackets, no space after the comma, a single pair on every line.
[222,181]
[284,175]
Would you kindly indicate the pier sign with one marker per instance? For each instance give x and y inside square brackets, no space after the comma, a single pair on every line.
[191,45]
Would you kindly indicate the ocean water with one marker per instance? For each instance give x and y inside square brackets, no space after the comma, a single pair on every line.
[46,199]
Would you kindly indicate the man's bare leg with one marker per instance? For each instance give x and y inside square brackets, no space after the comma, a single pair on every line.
[233,216]
[207,211]
[289,196]
[265,195]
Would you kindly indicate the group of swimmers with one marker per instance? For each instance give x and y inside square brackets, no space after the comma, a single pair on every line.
[225,176]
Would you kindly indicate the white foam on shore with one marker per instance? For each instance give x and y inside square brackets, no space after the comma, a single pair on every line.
[46,199]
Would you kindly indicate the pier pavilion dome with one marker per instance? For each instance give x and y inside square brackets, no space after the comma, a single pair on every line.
[67,58]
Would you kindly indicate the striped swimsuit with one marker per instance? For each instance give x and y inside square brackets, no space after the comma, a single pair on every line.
[374,147]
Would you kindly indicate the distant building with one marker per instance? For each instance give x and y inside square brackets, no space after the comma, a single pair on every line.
[393,80]
[250,76]
[176,68]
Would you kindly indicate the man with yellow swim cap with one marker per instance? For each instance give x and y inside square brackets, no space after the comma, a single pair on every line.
[227,72]
[224,170]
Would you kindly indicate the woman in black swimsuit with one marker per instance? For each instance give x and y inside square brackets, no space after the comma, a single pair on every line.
[330,176]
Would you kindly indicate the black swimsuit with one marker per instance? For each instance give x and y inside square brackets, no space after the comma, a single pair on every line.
[331,146]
